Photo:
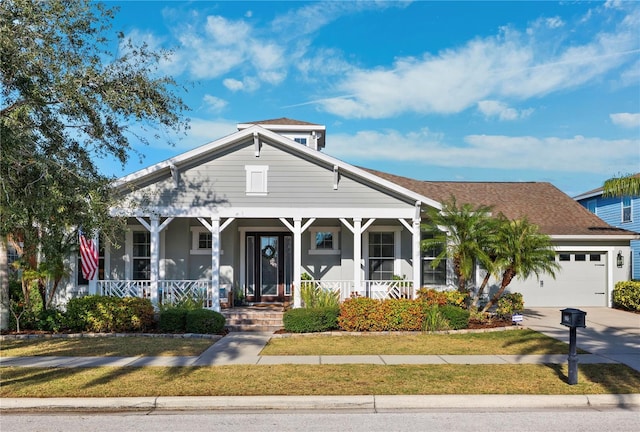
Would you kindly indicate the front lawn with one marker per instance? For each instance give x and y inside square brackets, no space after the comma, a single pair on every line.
[498,342]
[316,380]
[129,346]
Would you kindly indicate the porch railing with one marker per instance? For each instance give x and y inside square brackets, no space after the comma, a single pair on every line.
[376,289]
[169,291]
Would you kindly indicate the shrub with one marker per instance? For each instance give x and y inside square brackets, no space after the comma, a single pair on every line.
[457,317]
[403,315]
[204,321]
[51,320]
[626,295]
[172,320]
[432,296]
[508,304]
[109,314]
[309,320]
[361,314]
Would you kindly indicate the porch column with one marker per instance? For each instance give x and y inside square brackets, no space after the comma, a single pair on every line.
[154,271]
[297,261]
[215,263]
[417,261]
[93,283]
[357,254]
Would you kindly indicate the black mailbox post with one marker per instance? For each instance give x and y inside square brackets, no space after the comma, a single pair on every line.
[573,318]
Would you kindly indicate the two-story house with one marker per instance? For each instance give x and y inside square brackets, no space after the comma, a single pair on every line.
[622,212]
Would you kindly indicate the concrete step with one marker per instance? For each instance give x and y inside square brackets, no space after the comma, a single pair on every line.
[253,319]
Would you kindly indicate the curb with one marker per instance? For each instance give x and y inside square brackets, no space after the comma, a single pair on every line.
[366,403]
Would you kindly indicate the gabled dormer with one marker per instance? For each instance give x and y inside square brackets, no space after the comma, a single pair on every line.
[309,134]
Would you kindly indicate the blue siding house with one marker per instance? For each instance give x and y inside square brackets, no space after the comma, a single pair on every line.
[621,212]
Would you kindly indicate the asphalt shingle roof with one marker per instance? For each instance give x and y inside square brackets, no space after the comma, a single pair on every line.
[542,203]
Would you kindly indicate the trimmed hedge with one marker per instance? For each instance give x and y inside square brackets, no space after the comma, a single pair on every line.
[173,320]
[186,320]
[310,320]
[626,295]
[109,314]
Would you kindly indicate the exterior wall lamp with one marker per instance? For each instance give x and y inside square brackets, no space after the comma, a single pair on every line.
[620,260]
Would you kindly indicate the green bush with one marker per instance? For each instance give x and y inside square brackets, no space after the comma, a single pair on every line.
[310,320]
[173,320]
[626,295]
[50,320]
[109,314]
[509,304]
[204,321]
[457,317]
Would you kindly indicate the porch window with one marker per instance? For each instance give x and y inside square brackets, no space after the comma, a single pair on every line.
[324,241]
[431,275]
[381,255]
[626,209]
[256,179]
[201,241]
[141,255]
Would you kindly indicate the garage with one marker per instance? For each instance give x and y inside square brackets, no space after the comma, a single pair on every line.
[581,282]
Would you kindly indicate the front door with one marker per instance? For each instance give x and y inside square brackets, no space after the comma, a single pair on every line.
[269,263]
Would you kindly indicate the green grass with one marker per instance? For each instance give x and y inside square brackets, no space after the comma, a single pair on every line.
[499,342]
[316,380]
[129,346]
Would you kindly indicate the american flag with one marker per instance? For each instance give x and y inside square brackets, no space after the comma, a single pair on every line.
[88,257]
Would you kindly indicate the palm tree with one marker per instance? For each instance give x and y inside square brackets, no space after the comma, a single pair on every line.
[462,233]
[621,186]
[521,250]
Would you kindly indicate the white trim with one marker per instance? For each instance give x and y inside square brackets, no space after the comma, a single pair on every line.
[283,127]
[195,240]
[596,237]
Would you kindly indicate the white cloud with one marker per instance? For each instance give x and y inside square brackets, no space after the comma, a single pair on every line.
[511,65]
[213,103]
[492,108]
[249,84]
[626,120]
[576,154]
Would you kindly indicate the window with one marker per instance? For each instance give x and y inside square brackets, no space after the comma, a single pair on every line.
[324,241]
[141,255]
[201,241]
[594,257]
[626,209]
[591,206]
[256,179]
[301,140]
[381,255]
[580,257]
[431,275]
[564,257]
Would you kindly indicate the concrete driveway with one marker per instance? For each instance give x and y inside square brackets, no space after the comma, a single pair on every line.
[610,333]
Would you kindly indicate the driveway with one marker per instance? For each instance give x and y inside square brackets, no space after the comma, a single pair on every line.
[610,333]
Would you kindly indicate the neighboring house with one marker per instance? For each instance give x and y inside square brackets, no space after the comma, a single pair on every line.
[622,212]
[255,210]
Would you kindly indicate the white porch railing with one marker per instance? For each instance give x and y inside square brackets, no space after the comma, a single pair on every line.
[125,288]
[169,291]
[376,289]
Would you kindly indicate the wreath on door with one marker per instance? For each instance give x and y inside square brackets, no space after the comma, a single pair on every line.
[268,252]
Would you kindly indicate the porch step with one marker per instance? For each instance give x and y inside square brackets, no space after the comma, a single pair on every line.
[254,319]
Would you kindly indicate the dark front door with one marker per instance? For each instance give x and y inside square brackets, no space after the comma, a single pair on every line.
[269,263]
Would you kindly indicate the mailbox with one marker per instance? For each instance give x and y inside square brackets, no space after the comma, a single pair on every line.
[573,318]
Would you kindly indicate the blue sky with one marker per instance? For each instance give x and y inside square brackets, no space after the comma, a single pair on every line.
[456,91]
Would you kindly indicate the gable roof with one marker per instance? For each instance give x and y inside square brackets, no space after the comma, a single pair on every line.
[282,121]
[552,210]
[261,133]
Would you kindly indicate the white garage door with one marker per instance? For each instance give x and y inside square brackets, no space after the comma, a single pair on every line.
[581,281]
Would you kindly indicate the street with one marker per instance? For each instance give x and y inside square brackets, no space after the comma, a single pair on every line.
[583,420]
